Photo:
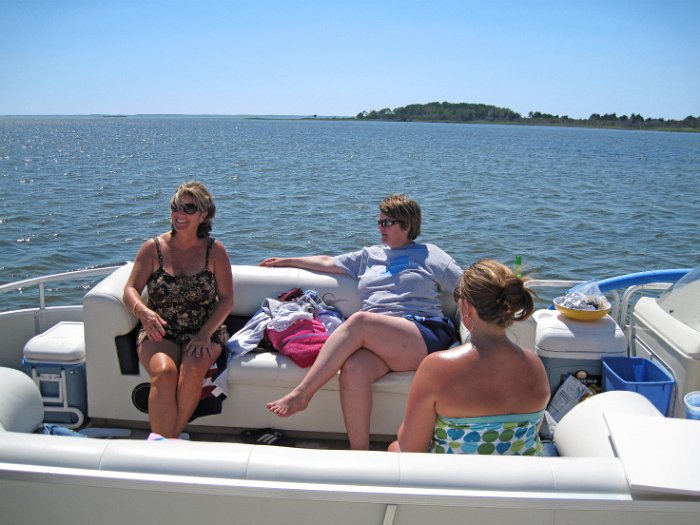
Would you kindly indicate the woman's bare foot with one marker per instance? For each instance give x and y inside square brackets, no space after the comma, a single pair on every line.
[288,405]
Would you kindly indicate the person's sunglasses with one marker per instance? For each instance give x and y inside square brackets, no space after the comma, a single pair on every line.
[188,208]
[385,223]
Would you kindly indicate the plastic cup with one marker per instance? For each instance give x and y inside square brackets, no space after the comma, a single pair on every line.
[692,405]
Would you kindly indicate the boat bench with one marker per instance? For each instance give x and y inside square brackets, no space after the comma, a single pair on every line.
[590,465]
[254,379]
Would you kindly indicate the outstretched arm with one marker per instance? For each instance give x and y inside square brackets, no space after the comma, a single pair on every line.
[315,263]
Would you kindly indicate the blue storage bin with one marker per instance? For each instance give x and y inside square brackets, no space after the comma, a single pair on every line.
[637,374]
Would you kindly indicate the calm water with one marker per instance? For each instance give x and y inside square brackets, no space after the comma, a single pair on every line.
[576,203]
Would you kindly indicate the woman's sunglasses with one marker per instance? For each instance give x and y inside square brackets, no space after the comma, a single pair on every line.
[188,208]
[385,223]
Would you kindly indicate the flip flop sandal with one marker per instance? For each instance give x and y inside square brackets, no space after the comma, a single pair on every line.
[266,436]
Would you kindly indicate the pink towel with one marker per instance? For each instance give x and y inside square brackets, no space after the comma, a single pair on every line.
[301,342]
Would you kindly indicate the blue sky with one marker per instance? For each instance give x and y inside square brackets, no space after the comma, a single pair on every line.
[341,57]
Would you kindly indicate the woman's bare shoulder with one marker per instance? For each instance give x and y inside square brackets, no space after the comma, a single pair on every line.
[148,248]
[220,256]
[445,361]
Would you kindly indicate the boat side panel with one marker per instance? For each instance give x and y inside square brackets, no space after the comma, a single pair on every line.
[658,336]
[73,496]
[117,502]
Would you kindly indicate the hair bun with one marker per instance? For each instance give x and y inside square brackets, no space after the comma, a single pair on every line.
[497,294]
[513,289]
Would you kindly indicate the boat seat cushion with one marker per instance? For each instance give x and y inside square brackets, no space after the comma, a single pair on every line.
[273,369]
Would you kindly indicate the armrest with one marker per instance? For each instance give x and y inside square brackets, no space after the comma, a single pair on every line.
[22,408]
[583,431]
[104,306]
[109,324]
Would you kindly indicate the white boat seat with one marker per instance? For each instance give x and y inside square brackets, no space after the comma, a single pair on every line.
[253,380]
[276,370]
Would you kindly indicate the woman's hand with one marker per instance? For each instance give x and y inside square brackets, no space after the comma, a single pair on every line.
[153,324]
[273,261]
[199,345]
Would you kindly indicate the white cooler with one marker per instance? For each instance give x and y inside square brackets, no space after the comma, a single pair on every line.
[55,360]
[571,347]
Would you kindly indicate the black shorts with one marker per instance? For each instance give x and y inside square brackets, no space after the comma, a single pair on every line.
[438,332]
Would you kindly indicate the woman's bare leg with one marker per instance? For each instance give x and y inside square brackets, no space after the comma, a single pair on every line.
[356,377]
[161,360]
[394,339]
[189,389]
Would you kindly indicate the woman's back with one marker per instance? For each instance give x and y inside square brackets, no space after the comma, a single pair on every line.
[502,379]
[487,396]
[490,401]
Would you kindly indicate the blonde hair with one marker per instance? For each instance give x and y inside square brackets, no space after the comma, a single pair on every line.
[407,211]
[202,198]
[496,293]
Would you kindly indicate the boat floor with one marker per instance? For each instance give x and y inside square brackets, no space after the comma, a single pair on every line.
[214,434]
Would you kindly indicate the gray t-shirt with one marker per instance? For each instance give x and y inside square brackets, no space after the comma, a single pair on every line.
[402,281]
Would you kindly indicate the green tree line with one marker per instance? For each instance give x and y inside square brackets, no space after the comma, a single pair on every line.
[464,112]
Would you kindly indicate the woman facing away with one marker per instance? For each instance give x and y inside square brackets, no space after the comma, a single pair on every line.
[400,321]
[190,294]
[487,397]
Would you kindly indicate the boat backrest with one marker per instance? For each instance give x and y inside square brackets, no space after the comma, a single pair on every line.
[253,284]
[22,409]
[109,324]
[228,462]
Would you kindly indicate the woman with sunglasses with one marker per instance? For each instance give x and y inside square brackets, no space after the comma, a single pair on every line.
[485,397]
[400,322]
[190,294]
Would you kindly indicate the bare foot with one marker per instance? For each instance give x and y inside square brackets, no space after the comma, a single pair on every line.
[288,405]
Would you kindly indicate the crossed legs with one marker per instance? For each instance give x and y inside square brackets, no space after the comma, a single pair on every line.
[176,384]
[365,347]
[358,373]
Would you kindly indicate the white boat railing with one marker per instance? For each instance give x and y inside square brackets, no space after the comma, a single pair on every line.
[620,300]
[45,279]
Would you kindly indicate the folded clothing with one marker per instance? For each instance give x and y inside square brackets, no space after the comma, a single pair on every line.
[212,397]
[301,342]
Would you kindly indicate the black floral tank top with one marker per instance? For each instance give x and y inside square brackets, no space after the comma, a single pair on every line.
[185,301]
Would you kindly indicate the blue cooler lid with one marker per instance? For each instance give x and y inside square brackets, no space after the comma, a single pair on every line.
[62,343]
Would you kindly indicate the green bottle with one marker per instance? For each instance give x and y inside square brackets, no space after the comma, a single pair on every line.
[517,267]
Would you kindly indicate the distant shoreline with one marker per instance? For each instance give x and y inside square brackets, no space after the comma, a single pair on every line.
[524,122]
[565,123]
[463,112]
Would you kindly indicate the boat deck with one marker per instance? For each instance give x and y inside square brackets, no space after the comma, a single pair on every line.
[290,438]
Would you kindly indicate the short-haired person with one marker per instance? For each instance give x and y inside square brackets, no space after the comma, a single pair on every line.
[400,321]
[487,396]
